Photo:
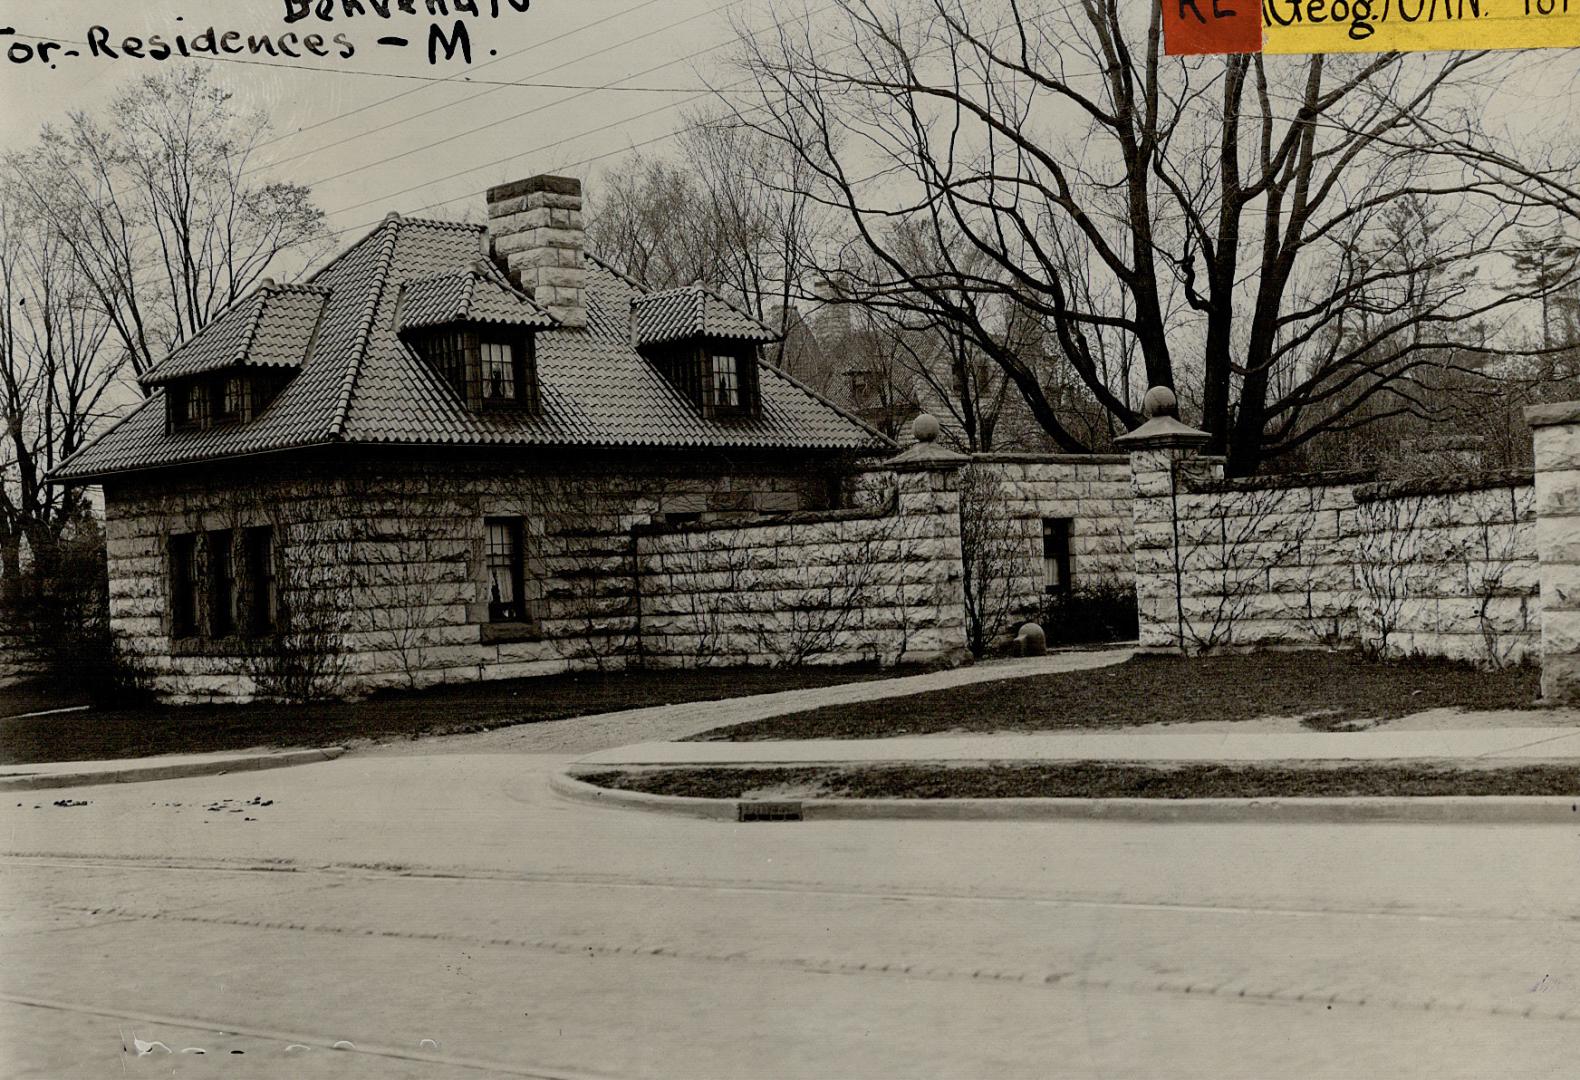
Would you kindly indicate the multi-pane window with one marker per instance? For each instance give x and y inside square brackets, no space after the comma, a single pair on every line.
[483,370]
[1056,554]
[234,403]
[197,404]
[504,570]
[206,400]
[209,599]
[183,585]
[726,381]
[719,382]
[499,371]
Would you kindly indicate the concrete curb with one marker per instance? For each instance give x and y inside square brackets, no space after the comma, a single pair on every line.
[135,774]
[1445,809]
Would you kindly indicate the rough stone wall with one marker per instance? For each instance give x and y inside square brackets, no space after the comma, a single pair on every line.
[1415,567]
[1556,428]
[878,583]
[388,564]
[1092,490]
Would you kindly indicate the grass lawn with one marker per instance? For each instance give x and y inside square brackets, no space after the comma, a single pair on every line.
[35,697]
[455,709]
[1332,688]
[1094,780]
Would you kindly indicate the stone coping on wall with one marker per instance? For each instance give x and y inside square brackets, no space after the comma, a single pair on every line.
[1442,485]
[1281,481]
[1011,458]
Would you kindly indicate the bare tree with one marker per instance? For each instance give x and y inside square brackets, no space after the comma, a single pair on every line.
[54,384]
[156,204]
[995,549]
[709,216]
[1231,215]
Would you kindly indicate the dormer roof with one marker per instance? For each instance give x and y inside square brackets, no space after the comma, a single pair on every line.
[691,312]
[477,295]
[271,327]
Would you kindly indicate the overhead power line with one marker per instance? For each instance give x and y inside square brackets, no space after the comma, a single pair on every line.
[487,63]
[496,87]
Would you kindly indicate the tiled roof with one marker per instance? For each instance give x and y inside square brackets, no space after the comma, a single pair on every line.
[470,296]
[694,311]
[361,383]
[272,326]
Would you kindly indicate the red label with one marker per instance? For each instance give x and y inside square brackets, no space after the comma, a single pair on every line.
[1198,27]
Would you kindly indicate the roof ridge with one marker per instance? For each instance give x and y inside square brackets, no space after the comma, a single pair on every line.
[441,223]
[621,274]
[337,425]
[253,325]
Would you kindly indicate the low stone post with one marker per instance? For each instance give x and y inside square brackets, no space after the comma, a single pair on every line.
[1556,431]
[1158,451]
[927,486]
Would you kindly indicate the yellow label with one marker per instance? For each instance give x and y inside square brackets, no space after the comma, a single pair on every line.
[1374,26]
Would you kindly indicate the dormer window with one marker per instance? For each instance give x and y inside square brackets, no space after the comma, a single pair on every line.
[485,367]
[211,400]
[477,332]
[704,345]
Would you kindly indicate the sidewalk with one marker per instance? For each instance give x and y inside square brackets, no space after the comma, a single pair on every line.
[585,734]
[60,774]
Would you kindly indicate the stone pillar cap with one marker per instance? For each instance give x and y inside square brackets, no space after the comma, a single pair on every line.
[1163,429]
[1553,414]
[925,453]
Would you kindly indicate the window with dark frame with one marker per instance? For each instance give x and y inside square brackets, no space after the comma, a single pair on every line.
[212,598]
[234,398]
[486,370]
[726,381]
[221,584]
[1056,554]
[504,568]
[258,549]
[197,404]
[183,585]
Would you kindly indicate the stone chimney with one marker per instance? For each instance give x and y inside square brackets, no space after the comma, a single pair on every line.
[535,231]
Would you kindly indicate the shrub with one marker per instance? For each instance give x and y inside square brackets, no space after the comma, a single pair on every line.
[1104,610]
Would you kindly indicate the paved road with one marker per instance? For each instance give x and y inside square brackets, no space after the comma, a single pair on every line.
[388,900]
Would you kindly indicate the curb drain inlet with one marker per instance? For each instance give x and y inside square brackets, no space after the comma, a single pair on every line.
[764,810]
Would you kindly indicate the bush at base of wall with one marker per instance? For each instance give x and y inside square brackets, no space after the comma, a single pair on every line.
[1103,611]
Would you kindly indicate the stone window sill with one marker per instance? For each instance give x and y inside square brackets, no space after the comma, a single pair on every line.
[232,645]
[500,633]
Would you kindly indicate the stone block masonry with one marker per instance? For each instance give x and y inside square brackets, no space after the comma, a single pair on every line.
[880,583]
[1556,430]
[387,562]
[1446,567]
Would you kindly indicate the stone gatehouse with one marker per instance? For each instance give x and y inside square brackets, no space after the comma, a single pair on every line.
[465,452]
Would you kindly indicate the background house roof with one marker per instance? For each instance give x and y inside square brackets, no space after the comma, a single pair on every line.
[272,326]
[362,384]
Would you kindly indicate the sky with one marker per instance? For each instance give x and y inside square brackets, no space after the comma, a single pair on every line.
[379,130]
